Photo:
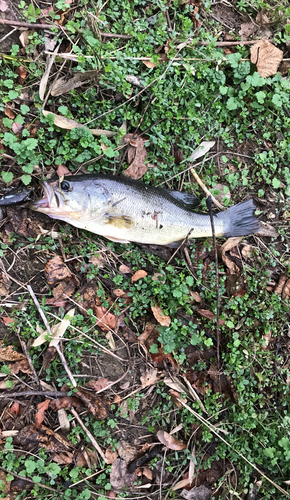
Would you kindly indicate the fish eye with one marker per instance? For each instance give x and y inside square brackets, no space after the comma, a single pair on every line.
[65,185]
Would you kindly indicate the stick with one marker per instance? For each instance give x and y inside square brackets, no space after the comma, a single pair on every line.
[93,441]
[203,186]
[49,394]
[26,352]
[209,206]
[70,376]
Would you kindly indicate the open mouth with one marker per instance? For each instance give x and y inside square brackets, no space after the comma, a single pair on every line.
[49,201]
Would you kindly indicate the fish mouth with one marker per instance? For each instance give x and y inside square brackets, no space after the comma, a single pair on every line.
[50,204]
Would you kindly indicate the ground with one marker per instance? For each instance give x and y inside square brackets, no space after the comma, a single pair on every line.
[138,371]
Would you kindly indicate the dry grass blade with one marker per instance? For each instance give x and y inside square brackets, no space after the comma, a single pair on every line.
[62,85]
[44,79]
[69,124]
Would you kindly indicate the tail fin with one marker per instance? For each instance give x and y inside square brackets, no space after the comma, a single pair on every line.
[239,220]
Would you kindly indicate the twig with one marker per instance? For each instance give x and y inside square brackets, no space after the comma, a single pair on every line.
[8,34]
[203,186]
[49,394]
[115,35]
[89,434]
[212,428]
[27,354]
[70,376]
[209,206]
[231,44]
[181,244]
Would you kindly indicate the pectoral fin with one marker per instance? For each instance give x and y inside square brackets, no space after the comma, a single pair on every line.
[119,221]
[188,199]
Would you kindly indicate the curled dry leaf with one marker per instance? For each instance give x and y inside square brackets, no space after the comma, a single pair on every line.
[9,112]
[138,275]
[39,416]
[69,124]
[209,315]
[267,58]
[195,295]
[171,442]
[227,246]
[120,477]
[9,354]
[136,152]
[15,408]
[150,377]
[202,149]
[149,64]
[62,170]
[56,270]
[162,319]
[278,288]
[111,455]
[99,384]
[20,366]
[107,320]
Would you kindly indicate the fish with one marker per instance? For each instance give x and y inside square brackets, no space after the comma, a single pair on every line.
[124,210]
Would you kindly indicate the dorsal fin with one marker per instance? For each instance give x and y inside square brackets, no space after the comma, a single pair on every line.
[188,199]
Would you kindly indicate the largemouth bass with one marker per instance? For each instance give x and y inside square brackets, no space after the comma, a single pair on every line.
[124,210]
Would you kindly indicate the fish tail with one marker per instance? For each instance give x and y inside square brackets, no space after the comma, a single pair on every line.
[239,220]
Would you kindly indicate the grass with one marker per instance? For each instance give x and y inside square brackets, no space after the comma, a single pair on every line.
[199,93]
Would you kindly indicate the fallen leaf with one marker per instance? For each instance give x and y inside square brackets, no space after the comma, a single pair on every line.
[267,230]
[9,112]
[65,288]
[226,247]
[202,149]
[247,251]
[9,354]
[39,416]
[150,377]
[195,295]
[7,321]
[62,170]
[20,366]
[111,455]
[181,484]
[107,320]
[68,124]
[171,442]
[65,458]
[278,288]
[159,358]
[62,85]
[15,408]
[138,275]
[3,6]
[175,396]
[162,319]
[137,168]
[22,73]
[110,338]
[117,399]
[24,37]
[125,269]
[247,29]
[209,315]
[16,127]
[149,64]
[262,19]
[284,68]
[31,437]
[236,285]
[65,402]
[197,493]
[56,270]
[57,331]
[120,477]
[149,336]
[48,357]
[267,58]
[99,384]
[286,290]
[5,284]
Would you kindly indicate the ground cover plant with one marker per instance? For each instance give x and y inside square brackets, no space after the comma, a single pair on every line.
[135,371]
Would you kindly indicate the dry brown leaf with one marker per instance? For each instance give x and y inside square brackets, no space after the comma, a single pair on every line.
[24,40]
[278,288]
[100,383]
[267,230]
[39,416]
[197,493]
[97,261]
[5,284]
[286,290]
[175,396]
[196,296]
[149,64]
[64,458]
[22,73]
[209,315]
[69,124]
[171,442]
[111,455]
[9,354]
[120,477]
[226,247]
[20,366]
[7,320]
[162,319]
[181,484]
[138,275]
[15,408]
[160,357]
[247,251]
[137,168]
[62,170]
[107,320]
[125,269]
[56,270]
[9,112]
[267,58]
[247,29]
[62,85]
[150,377]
